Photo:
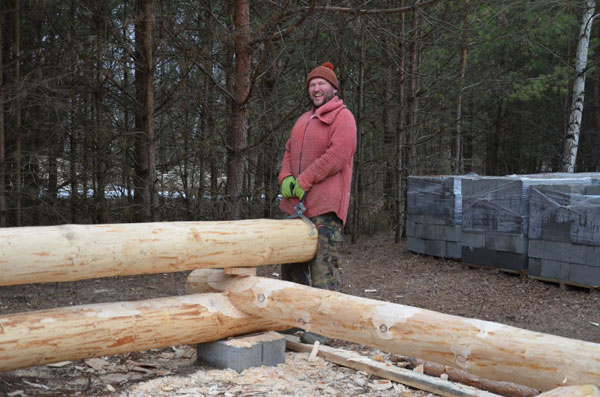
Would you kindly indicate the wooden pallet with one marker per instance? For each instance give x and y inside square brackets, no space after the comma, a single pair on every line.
[568,285]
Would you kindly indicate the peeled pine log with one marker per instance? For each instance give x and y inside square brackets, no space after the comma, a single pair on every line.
[76,252]
[487,349]
[506,389]
[70,333]
[573,391]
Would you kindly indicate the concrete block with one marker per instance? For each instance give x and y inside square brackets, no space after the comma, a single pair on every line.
[416,245]
[555,269]
[448,233]
[429,219]
[592,190]
[534,268]
[511,261]
[479,256]
[584,274]
[563,252]
[453,250]
[435,248]
[516,243]
[592,256]
[411,228]
[473,239]
[244,352]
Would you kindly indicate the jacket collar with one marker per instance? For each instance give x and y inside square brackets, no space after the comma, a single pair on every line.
[328,112]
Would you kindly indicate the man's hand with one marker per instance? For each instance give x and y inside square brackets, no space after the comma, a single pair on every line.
[287,186]
[298,191]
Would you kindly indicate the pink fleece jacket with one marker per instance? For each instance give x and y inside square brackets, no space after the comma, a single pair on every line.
[319,155]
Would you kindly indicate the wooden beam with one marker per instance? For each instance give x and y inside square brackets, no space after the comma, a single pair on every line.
[414,379]
[70,333]
[487,349]
[76,252]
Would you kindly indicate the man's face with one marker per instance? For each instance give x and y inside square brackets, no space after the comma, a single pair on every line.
[320,91]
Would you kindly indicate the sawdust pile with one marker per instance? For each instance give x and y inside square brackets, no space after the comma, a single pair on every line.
[299,376]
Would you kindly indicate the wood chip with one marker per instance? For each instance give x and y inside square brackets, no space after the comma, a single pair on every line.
[314,352]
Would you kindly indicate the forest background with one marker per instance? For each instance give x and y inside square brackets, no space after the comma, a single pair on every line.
[155,110]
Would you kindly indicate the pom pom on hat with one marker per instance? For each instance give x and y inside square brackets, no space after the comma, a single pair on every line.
[324,71]
[328,65]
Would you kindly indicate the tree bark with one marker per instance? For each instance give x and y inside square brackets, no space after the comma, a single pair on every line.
[3,207]
[574,127]
[506,389]
[18,152]
[145,196]
[238,136]
[487,349]
[357,184]
[459,98]
[72,333]
[100,140]
[77,252]
[402,151]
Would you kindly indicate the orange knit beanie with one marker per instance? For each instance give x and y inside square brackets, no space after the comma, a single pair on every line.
[325,71]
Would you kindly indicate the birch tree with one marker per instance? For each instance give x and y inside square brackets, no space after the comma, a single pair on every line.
[573,129]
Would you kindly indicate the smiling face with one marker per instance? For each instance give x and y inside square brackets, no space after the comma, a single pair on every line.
[320,91]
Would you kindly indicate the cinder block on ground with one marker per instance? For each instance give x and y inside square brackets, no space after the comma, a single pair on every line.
[480,256]
[453,250]
[435,248]
[244,352]
[416,245]
[511,261]
[584,274]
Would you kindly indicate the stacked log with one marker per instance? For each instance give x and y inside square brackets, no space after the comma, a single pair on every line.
[77,252]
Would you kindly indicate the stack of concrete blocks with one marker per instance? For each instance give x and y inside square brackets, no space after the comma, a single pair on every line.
[496,218]
[564,234]
[434,215]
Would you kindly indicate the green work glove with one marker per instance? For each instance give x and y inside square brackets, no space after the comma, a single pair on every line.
[287,186]
[298,191]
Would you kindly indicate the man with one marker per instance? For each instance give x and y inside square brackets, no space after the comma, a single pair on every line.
[317,168]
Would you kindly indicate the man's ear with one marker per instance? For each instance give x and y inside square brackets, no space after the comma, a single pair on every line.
[334,91]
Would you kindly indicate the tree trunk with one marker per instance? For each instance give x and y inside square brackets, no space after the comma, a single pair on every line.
[572,134]
[3,208]
[459,96]
[401,143]
[357,184]
[145,196]
[76,252]
[18,152]
[238,135]
[100,140]
[491,350]
[77,332]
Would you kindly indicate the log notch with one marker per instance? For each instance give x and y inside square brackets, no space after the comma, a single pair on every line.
[76,252]
[491,350]
[47,336]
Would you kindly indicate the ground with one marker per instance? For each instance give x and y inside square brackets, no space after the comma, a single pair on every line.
[374,267]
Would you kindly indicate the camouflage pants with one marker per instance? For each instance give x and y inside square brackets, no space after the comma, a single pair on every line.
[322,270]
